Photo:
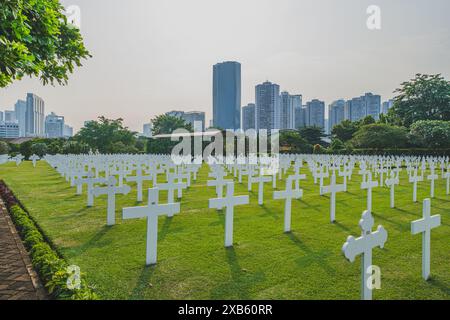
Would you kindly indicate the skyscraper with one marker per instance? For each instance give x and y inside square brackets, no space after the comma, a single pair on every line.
[355,109]
[267,106]
[35,116]
[10,116]
[300,117]
[54,126]
[248,117]
[386,106]
[9,130]
[21,111]
[373,105]
[227,95]
[1,115]
[288,105]
[147,130]
[336,113]
[315,113]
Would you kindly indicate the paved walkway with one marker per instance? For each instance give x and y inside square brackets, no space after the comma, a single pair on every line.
[18,281]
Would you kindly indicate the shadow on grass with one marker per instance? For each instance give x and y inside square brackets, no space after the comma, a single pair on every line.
[143,283]
[312,257]
[445,288]
[342,227]
[94,241]
[268,212]
[404,227]
[241,280]
[165,228]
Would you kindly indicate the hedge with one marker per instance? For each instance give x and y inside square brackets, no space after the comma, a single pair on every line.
[52,269]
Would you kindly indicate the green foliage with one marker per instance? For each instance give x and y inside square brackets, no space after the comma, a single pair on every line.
[36,40]
[345,130]
[426,97]
[318,149]
[75,147]
[4,147]
[380,136]
[107,136]
[313,135]
[431,133]
[51,268]
[165,124]
[40,149]
[160,146]
[293,142]
[366,121]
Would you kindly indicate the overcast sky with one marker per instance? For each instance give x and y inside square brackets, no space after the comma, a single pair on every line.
[153,56]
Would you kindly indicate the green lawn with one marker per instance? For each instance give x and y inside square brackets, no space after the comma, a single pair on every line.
[265,263]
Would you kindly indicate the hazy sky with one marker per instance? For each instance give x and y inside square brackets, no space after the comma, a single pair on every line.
[153,56]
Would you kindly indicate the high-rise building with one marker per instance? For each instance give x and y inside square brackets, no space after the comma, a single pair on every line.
[300,117]
[386,106]
[373,105]
[315,114]
[68,131]
[227,95]
[196,119]
[35,126]
[248,117]
[20,109]
[288,105]
[336,113]
[10,116]
[267,106]
[1,116]
[147,130]
[355,109]
[54,126]
[9,130]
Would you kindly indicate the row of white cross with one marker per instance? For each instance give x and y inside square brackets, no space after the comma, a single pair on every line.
[181,179]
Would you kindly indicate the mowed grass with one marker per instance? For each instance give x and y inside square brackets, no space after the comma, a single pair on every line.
[264,263]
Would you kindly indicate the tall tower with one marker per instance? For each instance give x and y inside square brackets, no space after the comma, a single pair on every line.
[227,95]
[267,106]
[34,117]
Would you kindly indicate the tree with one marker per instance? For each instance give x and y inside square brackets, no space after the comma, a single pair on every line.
[293,142]
[104,134]
[165,124]
[313,135]
[427,97]
[36,40]
[4,148]
[380,136]
[40,149]
[345,130]
[431,133]
[75,147]
[366,121]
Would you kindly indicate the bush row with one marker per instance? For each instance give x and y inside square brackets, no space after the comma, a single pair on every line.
[52,269]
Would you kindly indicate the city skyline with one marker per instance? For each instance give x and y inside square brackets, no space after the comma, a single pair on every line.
[331,59]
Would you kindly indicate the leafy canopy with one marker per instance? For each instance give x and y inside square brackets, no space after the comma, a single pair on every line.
[426,97]
[380,136]
[36,40]
[165,124]
[107,136]
[431,133]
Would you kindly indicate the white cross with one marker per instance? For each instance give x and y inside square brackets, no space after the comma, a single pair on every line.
[369,184]
[391,182]
[333,188]
[288,195]
[260,180]
[90,180]
[424,226]
[229,202]
[111,190]
[364,245]
[346,173]
[170,186]
[139,179]
[432,177]
[34,158]
[152,211]
[219,183]
[296,178]
[447,176]
[415,179]
[321,176]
